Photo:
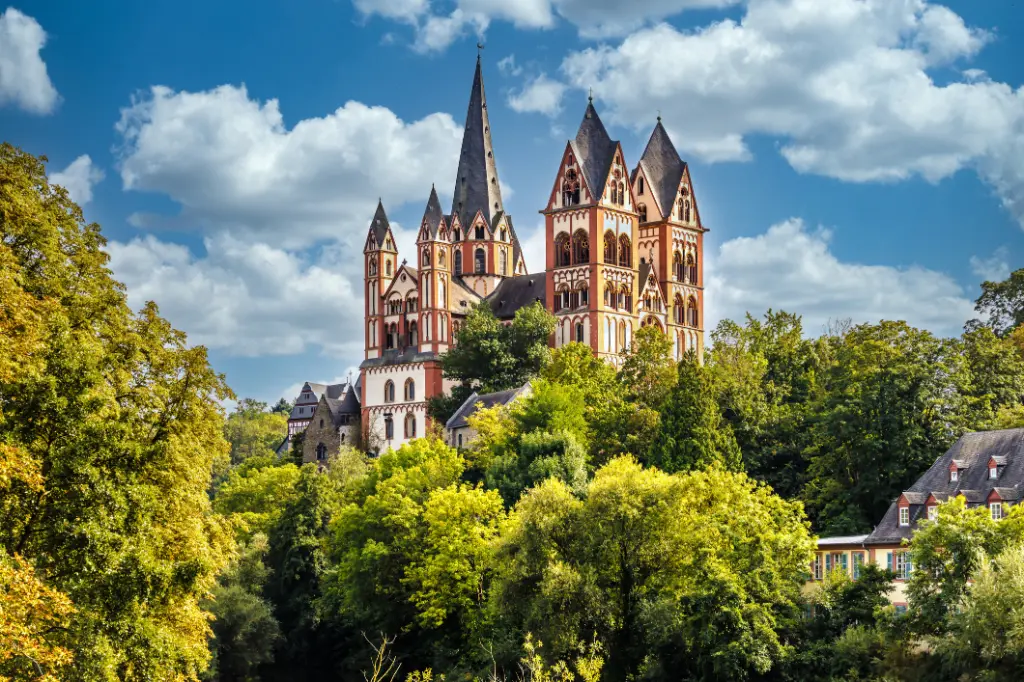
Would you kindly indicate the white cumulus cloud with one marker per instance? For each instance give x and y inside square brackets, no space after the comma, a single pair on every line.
[845,86]
[540,95]
[78,179]
[792,268]
[995,268]
[24,82]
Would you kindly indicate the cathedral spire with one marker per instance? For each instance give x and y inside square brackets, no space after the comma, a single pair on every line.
[476,186]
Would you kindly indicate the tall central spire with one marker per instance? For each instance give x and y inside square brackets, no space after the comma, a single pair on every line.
[476,186]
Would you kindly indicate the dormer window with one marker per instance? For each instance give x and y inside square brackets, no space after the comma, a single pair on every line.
[933,512]
[954,475]
[996,510]
[480,234]
[993,472]
[904,516]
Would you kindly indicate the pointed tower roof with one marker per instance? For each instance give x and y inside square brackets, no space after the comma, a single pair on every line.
[663,167]
[433,215]
[380,225]
[476,186]
[594,150]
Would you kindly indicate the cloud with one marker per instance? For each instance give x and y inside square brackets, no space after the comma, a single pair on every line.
[247,298]
[995,268]
[792,268]
[508,66]
[78,179]
[24,82]
[854,104]
[232,165]
[540,95]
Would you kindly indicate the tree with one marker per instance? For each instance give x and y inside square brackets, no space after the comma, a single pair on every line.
[692,433]
[253,431]
[996,367]
[680,576]
[1001,304]
[894,401]
[116,420]
[648,372]
[253,496]
[282,406]
[490,356]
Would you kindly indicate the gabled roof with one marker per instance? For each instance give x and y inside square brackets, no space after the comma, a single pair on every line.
[318,390]
[663,168]
[594,151]
[433,215]
[476,186]
[411,271]
[481,402]
[972,453]
[513,293]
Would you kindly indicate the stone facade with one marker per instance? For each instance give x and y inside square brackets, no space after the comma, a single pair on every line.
[335,423]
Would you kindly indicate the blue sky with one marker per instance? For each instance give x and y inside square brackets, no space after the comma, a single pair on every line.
[857,159]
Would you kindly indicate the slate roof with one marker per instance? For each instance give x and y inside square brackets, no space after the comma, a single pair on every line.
[842,540]
[346,405]
[331,390]
[481,402]
[972,453]
[433,215]
[380,225]
[397,357]
[514,293]
[594,150]
[476,186]
[663,168]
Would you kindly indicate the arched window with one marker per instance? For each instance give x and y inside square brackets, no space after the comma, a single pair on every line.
[692,316]
[410,390]
[579,332]
[389,427]
[580,247]
[642,208]
[480,232]
[677,266]
[389,391]
[640,188]
[622,336]
[442,301]
[414,337]
[691,268]
[609,335]
[387,267]
[609,295]
[412,304]
[609,247]
[373,267]
[460,440]
[571,188]
[410,425]
[563,255]
[563,298]
[584,294]
[679,310]
[321,423]
[686,214]
[321,452]
[480,261]
[458,262]
[622,194]
[625,252]
[504,235]
[503,262]
[426,257]
[456,235]
[440,258]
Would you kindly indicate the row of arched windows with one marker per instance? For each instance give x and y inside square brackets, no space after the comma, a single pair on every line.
[617,337]
[688,314]
[480,262]
[571,188]
[617,189]
[684,271]
[408,394]
[393,337]
[410,426]
[576,298]
[618,297]
[617,251]
[397,306]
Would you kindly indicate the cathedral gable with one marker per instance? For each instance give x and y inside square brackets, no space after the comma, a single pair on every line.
[570,187]
[406,280]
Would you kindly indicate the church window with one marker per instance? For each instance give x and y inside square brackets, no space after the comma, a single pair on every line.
[387,267]
[562,250]
[580,247]
[563,299]
[571,188]
[440,258]
[584,295]
[679,310]
[503,262]
[642,208]
[426,257]
[410,425]
[458,262]
[625,252]
[622,336]
[579,332]
[609,247]
[414,339]
[389,427]
[480,233]
[410,390]
[321,423]
[609,295]
[504,235]
[389,391]
[480,261]
[622,194]
[692,313]
[442,301]
[677,266]
[641,186]
[691,268]
[457,234]
[373,267]
[321,452]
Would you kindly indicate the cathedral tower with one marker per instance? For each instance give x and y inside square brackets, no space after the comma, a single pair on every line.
[434,245]
[380,262]
[592,276]
[485,247]
[671,230]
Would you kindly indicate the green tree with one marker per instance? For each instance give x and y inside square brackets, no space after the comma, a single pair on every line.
[894,401]
[692,433]
[252,431]
[1001,304]
[282,406]
[680,576]
[117,422]
[648,372]
[996,367]
[253,496]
